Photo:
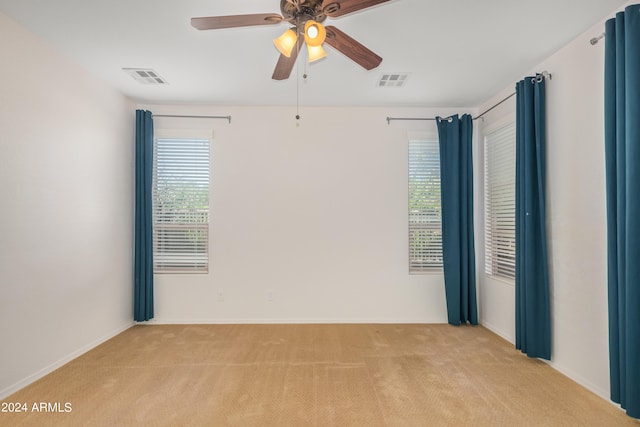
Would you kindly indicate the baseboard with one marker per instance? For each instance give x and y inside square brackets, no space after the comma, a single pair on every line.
[286,321]
[6,392]
[584,383]
[498,332]
[563,370]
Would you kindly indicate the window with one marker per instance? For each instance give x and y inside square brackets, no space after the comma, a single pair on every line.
[181,205]
[425,230]
[500,202]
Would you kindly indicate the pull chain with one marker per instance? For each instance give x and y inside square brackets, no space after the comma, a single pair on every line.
[298,88]
[304,76]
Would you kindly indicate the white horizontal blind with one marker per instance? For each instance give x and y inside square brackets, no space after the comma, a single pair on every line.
[500,202]
[181,205]
[425,221]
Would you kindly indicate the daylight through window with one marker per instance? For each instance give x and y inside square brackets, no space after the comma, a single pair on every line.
[425,230]
[500,202]
[181,205]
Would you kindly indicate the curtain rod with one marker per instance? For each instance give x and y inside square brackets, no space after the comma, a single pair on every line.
[432,119]
[390,119]
[496,105]
[193,117]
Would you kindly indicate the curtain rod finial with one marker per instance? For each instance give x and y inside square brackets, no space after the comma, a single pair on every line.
[594,41]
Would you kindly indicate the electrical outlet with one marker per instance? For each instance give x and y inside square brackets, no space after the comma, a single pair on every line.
[220,296]
[270,295]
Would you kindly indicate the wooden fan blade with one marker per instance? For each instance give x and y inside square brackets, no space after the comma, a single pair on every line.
[335,8]
[285,65]
[364,57]
[232,21]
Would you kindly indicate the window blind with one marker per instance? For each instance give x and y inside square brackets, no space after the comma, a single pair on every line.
[425,230]
[500,202]
[181,205]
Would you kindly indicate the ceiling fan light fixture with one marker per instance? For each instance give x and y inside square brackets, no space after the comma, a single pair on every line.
[286,42]
[314,33]
[306,17]
[315,52]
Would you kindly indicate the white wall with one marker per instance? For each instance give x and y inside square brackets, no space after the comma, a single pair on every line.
[576,216]
[314,211]
[66,173]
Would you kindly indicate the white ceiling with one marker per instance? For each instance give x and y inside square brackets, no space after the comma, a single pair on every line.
[458,52]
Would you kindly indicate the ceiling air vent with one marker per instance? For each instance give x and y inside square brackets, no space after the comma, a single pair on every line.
[145,76]
[392,79]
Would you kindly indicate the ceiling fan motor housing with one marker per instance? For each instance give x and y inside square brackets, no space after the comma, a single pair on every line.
[299,12]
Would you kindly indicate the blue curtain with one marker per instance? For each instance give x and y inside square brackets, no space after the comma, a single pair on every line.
[533,312]
[622,159]
[456,184]
[143,252]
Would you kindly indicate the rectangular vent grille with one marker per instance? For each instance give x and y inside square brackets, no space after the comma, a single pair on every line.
[392,79]
[145,76]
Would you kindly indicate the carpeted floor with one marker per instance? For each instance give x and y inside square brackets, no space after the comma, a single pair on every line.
[309,375]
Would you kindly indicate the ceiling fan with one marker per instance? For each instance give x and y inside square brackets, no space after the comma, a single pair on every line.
[306,17]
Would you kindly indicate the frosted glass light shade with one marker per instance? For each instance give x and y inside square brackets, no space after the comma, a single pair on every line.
[286,42]
[315,52]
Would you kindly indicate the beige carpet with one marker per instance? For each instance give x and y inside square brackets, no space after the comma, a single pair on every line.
[310,375]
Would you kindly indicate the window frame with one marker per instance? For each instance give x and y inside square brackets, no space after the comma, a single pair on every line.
[418,266]
[502,227]
[201,263]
